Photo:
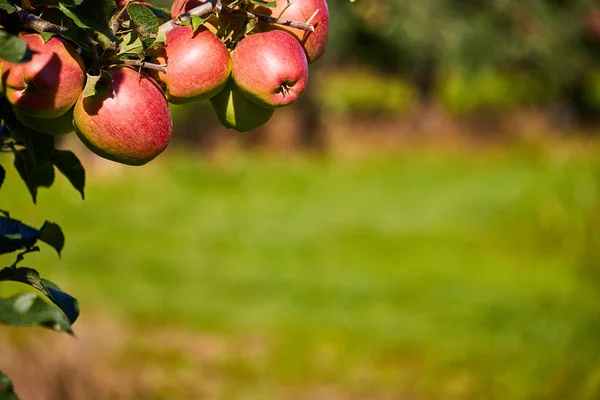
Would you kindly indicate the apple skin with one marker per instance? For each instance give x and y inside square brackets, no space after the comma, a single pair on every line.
[198,65]
[55,126]
[235,111]
[127,121]
[270,68]
[314,43]
[49,84]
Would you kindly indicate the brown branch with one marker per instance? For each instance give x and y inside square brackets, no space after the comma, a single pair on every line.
[266,18]
[215,5]
[199,11]
[144,64]
[39,24]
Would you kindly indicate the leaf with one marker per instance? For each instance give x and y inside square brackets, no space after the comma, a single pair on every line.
[2,175]
[160,12]
[131,44]
[53,236]
[67,303]
[197,22]
[28,309]
[90,85]
[15,235]
[7,6]
[270,4]
[70,166]
[79,16]
[144,21]
[34,176]
[6,388]
[46,36]
[13,49]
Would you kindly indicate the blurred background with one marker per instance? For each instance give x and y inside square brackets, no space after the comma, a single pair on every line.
[423,224]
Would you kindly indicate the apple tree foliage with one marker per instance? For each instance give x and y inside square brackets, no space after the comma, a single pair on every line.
[107,70]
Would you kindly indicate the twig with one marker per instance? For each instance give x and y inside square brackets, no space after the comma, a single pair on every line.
[39,24]
[265,18]
[199,11]
[215,5]
[144,64]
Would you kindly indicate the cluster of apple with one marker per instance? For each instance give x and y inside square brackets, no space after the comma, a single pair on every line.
[126,117]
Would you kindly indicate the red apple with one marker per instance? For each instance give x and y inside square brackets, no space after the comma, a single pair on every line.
[49,84]
[127,121]
[235,111]
[198,65]
[314,43]
[270,68]
[53,126]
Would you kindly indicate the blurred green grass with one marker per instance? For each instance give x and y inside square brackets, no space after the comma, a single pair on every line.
[427,274]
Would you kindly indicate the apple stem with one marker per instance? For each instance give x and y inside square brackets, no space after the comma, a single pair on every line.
[215,5]
[38,24]
[144,64]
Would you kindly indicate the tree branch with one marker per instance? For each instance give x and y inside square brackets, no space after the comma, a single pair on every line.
[144,64]
[39,24]
[215,5]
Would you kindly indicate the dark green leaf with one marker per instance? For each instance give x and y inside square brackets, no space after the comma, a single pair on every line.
[15,235]
[67,303]
[52,235]
[2,175]
[6,388]
[144,21]
[81,17]
[160,12]
[28,309]
[7,6]
[33,175]
[13,49]
[70,166]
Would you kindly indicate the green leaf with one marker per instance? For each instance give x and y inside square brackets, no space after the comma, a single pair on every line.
[6,388]
[79,15]
[52,235]
[13,49]
[90,85]
[34,176]
[2,175]
[15,235]
[29,309]
[144,21]
[67,303]
[7,6]
[70,166]
[131,44]
[160,12]
[270,4]
[46,36]
[197,22]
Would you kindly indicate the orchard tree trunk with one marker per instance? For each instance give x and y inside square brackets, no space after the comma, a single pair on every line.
[311,135]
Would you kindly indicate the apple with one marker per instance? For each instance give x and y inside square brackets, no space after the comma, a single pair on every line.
[198,65]
[235,111]
[270,68]
[127,121]
[314,43]
[49,84]
[53,126]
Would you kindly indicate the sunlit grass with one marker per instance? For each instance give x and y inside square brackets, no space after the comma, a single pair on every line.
[434,275]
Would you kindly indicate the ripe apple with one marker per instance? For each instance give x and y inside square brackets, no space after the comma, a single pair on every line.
[314,43]
[53,126]
[49,84]
[270,68]
[127,120]
[236,111]
[198,65]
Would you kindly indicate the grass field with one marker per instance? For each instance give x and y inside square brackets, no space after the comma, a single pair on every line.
[433,275]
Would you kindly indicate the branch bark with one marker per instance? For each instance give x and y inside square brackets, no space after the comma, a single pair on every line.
[144,64]
[39,24]
[216,5]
